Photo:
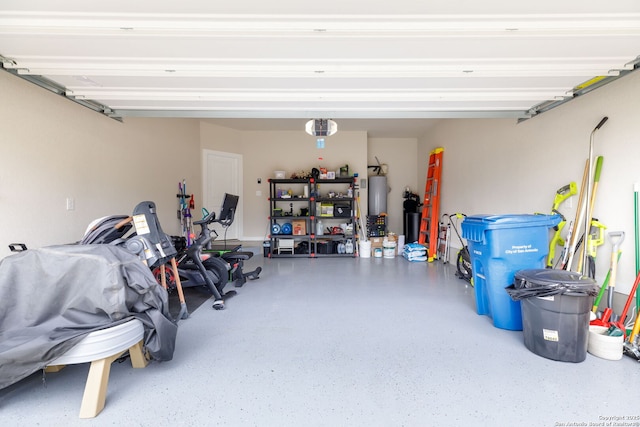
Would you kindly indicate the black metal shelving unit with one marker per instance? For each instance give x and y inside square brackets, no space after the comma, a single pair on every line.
[299,203]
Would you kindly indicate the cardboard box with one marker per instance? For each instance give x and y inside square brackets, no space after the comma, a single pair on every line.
[299,227]
[376,243]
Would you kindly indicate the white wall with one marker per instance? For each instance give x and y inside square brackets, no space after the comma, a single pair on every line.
[265,152]
[500,167]
[52,149]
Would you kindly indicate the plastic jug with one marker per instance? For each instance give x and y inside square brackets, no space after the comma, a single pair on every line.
[349,246]
[319,228]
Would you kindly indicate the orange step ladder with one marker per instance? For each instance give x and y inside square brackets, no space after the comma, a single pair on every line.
[431,205]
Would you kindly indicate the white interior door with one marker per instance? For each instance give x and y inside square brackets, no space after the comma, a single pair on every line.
[222,173]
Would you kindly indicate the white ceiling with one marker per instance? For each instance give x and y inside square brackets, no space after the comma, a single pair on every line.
[371,65]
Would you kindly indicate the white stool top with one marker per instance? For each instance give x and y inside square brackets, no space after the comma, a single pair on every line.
[103,343]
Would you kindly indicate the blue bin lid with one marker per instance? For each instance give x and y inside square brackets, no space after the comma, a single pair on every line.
[474,225]
[514,220]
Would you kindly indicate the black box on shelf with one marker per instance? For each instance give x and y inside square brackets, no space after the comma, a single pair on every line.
[322,248]
[342,210]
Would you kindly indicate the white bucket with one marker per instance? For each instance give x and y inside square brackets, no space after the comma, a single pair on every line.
[377,252]
[604,346]
[389,249]
[364,248]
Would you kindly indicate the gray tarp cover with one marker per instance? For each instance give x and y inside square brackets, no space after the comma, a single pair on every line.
[50,298]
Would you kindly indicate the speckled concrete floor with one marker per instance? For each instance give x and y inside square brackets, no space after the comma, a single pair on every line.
[342,342]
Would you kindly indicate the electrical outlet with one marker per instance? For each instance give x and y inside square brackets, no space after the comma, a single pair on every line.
[258,193]
[71,204]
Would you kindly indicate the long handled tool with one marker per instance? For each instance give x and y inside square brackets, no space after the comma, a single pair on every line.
[573,232]
[564,255]
[590,186]
[582,265]
[362,231]
[616,238]
[608,317]
[630,346]
[603,288]
[636,211]
[620,323]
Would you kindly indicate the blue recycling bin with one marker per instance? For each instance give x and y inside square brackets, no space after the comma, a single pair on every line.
[499,246]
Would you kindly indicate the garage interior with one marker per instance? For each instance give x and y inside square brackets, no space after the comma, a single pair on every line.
[107,105]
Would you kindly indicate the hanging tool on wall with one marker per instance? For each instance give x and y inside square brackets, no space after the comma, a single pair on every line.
[185,204]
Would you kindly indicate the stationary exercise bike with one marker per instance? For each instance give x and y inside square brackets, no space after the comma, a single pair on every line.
[199,265]
[197,269]
[234,256]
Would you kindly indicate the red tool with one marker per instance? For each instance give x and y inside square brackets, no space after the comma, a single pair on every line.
[619,323]
[604,320]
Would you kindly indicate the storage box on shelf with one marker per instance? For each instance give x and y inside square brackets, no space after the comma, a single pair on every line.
[317,216]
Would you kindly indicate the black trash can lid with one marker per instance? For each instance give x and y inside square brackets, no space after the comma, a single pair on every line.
[547,282]
[552,278]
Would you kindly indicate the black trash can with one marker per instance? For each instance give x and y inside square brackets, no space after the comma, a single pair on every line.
[555,312]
